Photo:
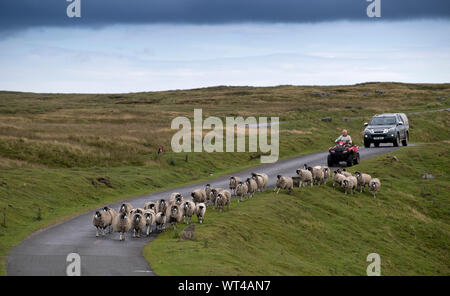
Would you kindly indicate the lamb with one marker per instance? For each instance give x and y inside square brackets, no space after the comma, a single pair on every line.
[174,215]
[234,181]
[223,199]
[284,183]
[213,196]
[161,205]
[138,223]
[305,177]
[188,208]
[261,180]
[374,186]
[176,198]
[149,216]
[125,208]
[252,187]
[101,220]
[200,211]
[338,177]
[349,183]
[363,180]
[160,220]
[199,196]
[241,190]
[122,224]
[151,206]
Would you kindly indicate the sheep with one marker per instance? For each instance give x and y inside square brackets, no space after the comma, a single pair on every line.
[252,187]
[101,220]
[317,174]
[284,183]
[149,216]
[345,173]
[305,177]
[122,224]
[261,179]
[174,215]
[326,174]
[161,205]
[234,181]
[199,196]
[188,208]
[349,183]
[200,211]
[113,213]
[213,196]
[223,199]
[125,208]
[176,198]
[374,186]
[363,180]
[160,220]
[208,189]
[241,190]
[138,223]
[136,210]
[151,206]
[338,177]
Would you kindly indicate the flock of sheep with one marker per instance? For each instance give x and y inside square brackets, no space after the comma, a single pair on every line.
[169,212]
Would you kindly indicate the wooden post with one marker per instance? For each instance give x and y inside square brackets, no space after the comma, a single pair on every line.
[39,214]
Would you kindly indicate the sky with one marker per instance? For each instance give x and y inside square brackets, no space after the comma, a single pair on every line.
[150,45]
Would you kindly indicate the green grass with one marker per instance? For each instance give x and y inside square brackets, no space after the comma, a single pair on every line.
[320,231]
[52,146]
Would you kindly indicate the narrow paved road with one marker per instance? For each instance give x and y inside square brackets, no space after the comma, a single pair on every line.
[44,252]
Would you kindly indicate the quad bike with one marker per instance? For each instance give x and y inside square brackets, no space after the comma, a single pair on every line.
[343,152]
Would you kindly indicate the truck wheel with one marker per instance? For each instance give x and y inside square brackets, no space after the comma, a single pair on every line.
[350,161]
[366,144]
[329,161]
[397,141]
[405,141]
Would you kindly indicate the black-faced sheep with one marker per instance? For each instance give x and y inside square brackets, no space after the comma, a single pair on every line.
[160,221]
[241,190]
[150,217]
[101,220]
[213,196]
[234,181]
[261,180]
[188,208]
[200,211]
[374,186]
[223,199]
[151,206]
[338,178]
[284,183]
[363,180]
[349,183]
[198,196]
[122,224]
[174,215]
[305,177]
[252,187]
[125,208]
[162,205]
[176,198]
[138,223]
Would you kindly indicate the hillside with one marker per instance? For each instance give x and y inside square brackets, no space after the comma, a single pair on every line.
[62,154]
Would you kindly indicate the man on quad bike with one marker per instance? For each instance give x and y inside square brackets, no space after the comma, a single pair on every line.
[344,150]
[345,137]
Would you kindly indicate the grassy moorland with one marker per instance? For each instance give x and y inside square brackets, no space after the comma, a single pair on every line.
[321,231]
[62,154]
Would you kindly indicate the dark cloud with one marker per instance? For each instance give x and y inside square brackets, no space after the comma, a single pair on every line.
[16,14]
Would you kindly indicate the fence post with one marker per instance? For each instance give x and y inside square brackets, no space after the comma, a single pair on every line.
[4,217]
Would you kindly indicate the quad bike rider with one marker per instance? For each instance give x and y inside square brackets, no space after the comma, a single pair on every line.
[343,151]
